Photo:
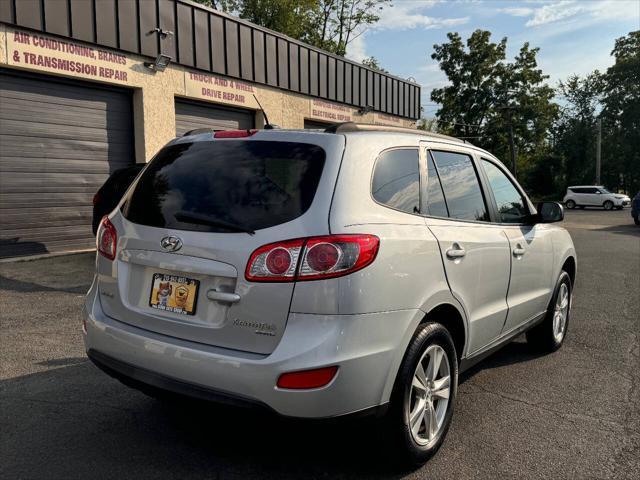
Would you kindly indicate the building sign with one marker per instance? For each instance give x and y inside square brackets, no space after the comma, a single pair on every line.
[40,52]
[331,112]
[219,89]
[382,119]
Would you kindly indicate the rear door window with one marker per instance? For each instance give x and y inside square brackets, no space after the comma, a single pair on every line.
[436,204]
[461,186]
[226,186]
[396,180]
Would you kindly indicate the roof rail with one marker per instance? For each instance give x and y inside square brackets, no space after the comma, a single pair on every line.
[348,127]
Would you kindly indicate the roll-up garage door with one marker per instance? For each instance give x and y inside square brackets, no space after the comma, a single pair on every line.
[59,141]
[191,115]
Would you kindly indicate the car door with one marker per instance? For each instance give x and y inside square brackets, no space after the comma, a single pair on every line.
[592,196]
[475,253]
[531,247]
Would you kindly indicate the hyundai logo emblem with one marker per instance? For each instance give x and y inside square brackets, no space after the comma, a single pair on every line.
[171,244]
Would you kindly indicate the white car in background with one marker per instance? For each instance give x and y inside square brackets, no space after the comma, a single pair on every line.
[594,196]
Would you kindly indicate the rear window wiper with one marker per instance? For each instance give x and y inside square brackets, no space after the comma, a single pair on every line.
[199,219]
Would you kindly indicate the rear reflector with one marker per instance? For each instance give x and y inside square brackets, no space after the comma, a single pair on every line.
[235,133]
[307,379]
[314,258]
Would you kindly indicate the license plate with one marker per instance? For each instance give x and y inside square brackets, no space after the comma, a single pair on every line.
[173,293]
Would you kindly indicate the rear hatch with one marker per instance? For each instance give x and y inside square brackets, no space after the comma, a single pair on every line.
[188,226]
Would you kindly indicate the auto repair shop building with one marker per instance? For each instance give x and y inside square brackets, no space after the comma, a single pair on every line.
[78,102]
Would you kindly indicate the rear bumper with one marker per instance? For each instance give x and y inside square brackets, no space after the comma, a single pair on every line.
[368,349]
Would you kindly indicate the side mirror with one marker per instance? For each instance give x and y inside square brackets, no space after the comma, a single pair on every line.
[549,212]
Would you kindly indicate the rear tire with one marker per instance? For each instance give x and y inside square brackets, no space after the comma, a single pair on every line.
[570,204]
[608,205]
[424,395]
[549,335]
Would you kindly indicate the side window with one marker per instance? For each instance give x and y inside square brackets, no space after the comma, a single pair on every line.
[461,186]
[511,206]
[396,180]
[436,204]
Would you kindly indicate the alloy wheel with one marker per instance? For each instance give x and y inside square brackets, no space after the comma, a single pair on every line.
[561,312]
[428,399]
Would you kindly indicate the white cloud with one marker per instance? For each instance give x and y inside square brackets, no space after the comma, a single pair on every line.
[357,49]
[408,15]
[580,13]
[554,12]
[517,11]
[401,16]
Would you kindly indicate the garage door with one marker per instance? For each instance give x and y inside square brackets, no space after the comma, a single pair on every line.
[192,115]
[59,141]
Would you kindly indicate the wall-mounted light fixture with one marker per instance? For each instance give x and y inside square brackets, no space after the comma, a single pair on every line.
[159,64]
[365,110]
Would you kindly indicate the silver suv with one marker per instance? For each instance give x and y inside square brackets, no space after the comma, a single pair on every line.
[323,273]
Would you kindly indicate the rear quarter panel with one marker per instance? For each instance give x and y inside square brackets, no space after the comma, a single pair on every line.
[408,272]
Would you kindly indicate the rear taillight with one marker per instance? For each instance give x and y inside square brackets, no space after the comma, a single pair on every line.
[234,133]
[314,258]
[107,239]
[96,198]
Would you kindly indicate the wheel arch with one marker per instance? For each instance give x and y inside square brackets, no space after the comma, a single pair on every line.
[444,309]
[570,267]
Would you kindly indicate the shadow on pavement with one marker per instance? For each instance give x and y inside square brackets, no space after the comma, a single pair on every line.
[517,351]
[16,285]
[631,229]
[75,422]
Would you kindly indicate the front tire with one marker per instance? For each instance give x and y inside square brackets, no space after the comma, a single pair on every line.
[549,335]
[608,205]
[424,395]
[570,204]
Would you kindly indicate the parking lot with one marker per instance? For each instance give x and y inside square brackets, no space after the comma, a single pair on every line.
[571,414]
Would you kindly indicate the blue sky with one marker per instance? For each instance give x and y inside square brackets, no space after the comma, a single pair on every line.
[574,36]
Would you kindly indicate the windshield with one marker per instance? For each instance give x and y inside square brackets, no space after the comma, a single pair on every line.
[226,186]
[604,190]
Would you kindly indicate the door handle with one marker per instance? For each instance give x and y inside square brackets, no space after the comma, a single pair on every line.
[456,251]
[218,296]
[519,251]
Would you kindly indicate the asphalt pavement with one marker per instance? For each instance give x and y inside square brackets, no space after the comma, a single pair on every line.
[519,414]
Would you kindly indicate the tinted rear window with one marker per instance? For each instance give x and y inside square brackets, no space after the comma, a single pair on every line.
[215,186]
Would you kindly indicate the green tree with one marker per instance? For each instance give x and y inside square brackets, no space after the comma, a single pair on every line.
[328,24]
[339,22]
[372,62]
[474,74]
[621,116]
[487,94]
[575,131]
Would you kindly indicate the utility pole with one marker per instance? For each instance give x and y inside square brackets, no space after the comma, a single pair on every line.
[598,150]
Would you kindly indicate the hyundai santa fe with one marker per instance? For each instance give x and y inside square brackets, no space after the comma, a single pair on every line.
[324,273]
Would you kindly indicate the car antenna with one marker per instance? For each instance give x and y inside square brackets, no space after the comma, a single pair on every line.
[267,125]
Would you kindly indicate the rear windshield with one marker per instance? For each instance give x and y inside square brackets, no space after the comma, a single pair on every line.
[226,186]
